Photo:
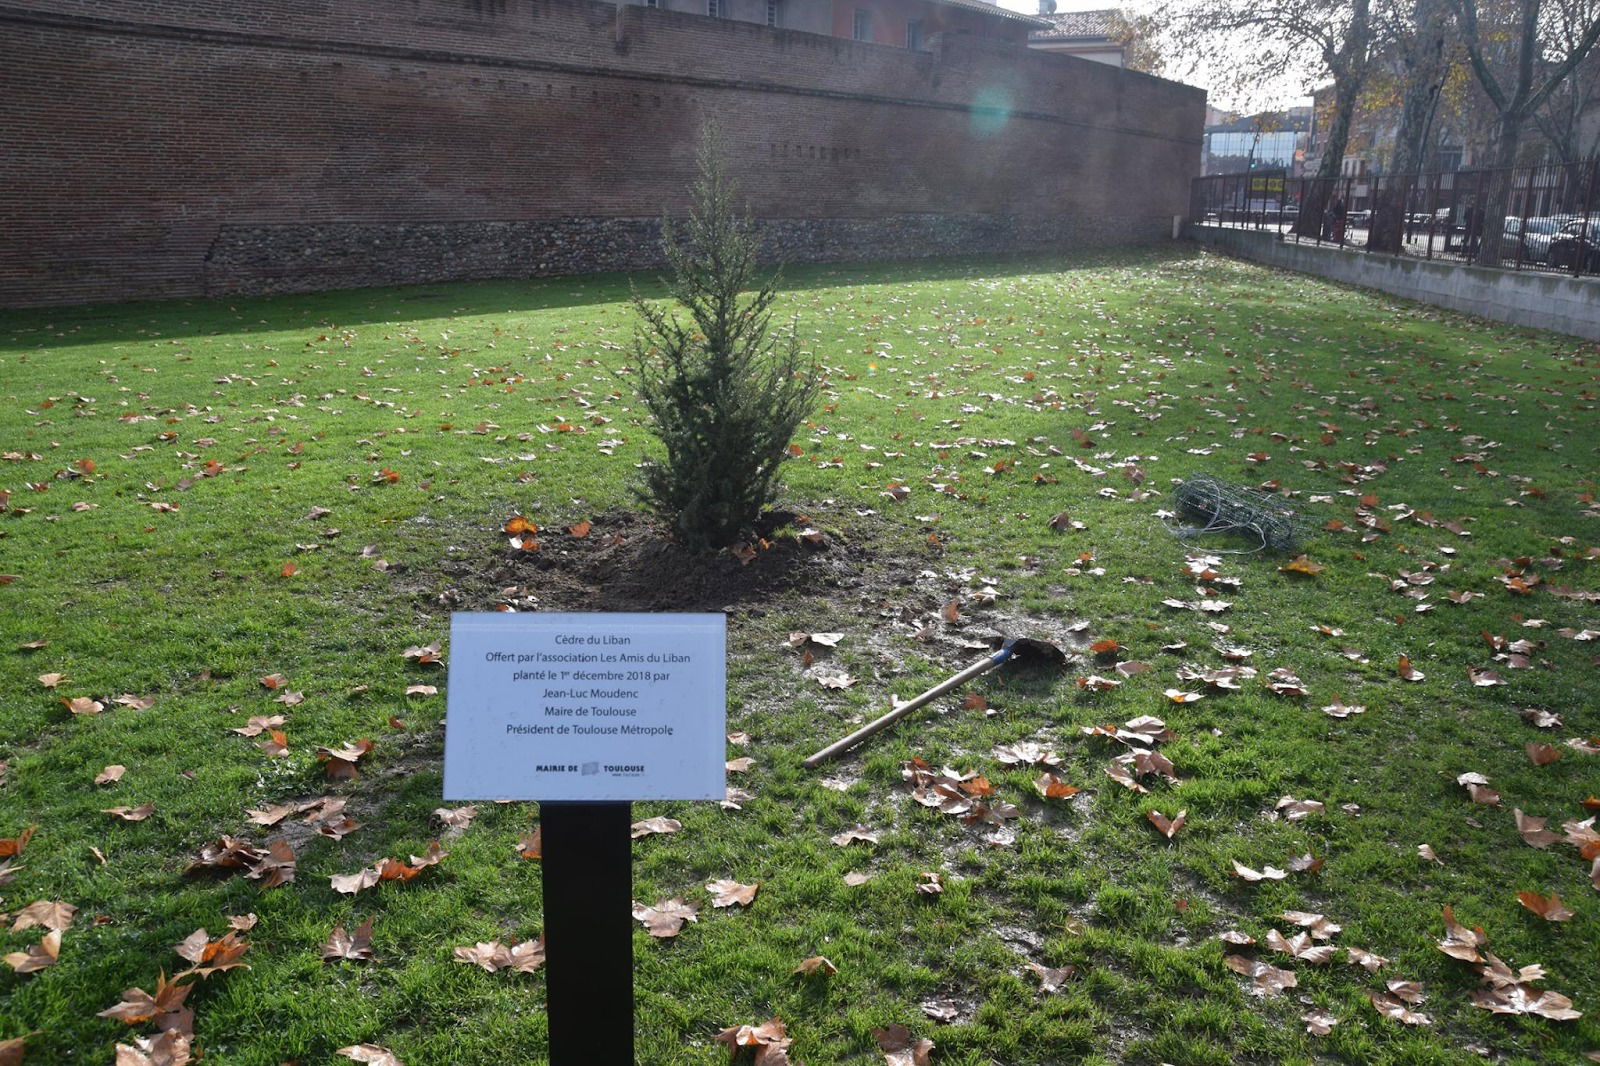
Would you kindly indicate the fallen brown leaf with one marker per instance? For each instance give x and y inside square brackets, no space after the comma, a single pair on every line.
[355,945]
[1460,942]
[732,893]
[814,965]
[655,825]
[51,914]
[667,918]
[1265,979]
[37,956]
[1534,834]
[901,1048]
[1550,908]
[1167,826]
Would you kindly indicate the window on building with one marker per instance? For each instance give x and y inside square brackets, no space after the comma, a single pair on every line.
[774,13]
[717,9]
[652,3]
[914,34]
[862,29]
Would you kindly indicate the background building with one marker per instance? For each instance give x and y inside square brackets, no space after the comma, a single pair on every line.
[1275,140]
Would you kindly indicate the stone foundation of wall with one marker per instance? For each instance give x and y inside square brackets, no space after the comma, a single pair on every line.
[302,258]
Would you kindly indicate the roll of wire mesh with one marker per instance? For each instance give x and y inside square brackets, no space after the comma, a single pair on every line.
[1209,505]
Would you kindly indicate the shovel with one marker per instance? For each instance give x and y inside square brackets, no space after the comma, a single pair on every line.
[977,669]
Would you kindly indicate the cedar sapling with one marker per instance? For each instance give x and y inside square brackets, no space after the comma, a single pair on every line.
[725,392]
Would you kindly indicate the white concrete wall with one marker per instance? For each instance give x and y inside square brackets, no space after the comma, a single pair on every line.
[1543,301]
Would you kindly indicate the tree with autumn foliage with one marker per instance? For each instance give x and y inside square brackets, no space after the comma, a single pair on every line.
[726,392]
[1521,51]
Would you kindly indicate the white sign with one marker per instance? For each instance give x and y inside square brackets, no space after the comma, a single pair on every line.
[586,707]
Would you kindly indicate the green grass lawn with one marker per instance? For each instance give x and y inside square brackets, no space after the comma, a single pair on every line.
[201,495]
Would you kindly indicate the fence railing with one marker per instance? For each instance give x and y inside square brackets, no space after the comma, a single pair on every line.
[1550,220]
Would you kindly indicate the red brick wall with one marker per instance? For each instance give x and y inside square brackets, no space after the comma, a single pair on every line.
[137,134]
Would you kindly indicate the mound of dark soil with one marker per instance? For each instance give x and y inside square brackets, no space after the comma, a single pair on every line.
[626,561]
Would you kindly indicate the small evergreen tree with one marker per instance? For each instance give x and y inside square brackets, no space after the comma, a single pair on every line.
[726,394]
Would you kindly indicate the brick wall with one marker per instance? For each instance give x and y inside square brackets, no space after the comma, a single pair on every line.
[156,148]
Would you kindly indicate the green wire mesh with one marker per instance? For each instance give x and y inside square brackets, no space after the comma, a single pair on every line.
[1205,505]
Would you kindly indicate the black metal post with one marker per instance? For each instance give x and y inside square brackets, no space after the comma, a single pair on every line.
[587,868]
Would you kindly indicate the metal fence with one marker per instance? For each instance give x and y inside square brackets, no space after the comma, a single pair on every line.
[1550,222]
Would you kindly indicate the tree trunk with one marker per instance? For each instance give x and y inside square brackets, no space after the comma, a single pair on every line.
[1491,214]
[1320,189]
[1424,59]
[1348,65]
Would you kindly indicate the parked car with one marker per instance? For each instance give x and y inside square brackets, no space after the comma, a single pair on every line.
[1359,219]
[1577,245]
[1530,238]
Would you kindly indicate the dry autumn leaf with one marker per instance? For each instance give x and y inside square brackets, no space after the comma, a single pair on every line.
[355,945]
[732,893]
[859,833]
[207,956]
[455,818]
[424,654]
[258,724]
[1391,1006]
[1460,942]
[667,918]
[1365,959]
[1052,978]
[274,867]
[10,846]
[1301,946]
[111,774]
[1049,786]
[1477,787]
[901,1048]
[169,1048]
[1532,829]
[51,914]
[1167,826]
[816,964]
[650,826]
[494,956]
[371,1054]
[38,956]
[1294,810]
[531,845]
[1541,754]
[1300,564]
[1266,873]
[340,763]
[132,814]
[770,1040]
[1316,924]
[138,1006]
[1551,909]
[1265,979]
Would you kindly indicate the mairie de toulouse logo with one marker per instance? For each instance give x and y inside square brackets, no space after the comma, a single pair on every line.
[591,769]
